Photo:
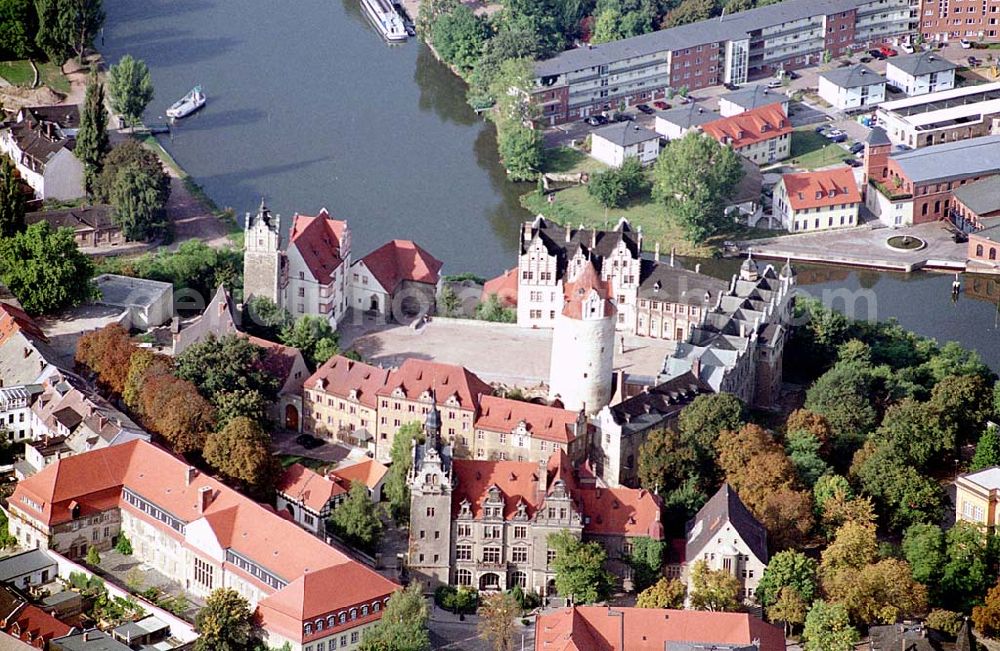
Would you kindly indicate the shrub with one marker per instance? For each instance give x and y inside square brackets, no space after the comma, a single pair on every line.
[124,545]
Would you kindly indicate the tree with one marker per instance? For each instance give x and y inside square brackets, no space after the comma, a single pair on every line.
[228,363]
[138,207]
[987,450]
[45,269]
[923,547]
[130,154]
[225,623]
[963,405]
[143,364]
[986,617]
[804,452]
[397,491]
[579,568]
[356,519]
[789,608]
[11,200]
[947,621]
[787,569]
[131,88]
[459,36]
[92,136]
[520,151]
[713,589]
[403,626]
[853,547]
[496,620]
[93,557]
[613,187]
[970,567]
[692,11]
[665,459]
[107,353]
[828,628]
[646,561]
[264,319]
[67,27]
[665,593]
[902,493]
[18,22]
[248,403]
[176,411]
[842,395]
[314,337]
[707,416]
[693,177]
[242,452]
[123,545]
[492,309]
[881,592]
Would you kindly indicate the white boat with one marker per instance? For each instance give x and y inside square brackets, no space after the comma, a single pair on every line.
[188,104]
[386,19]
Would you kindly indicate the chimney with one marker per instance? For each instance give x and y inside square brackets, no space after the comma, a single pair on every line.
[569,232]
[593,239]
[673,250]
[696,366]
[190,474]
[204,498]
[697,268]
[656,252]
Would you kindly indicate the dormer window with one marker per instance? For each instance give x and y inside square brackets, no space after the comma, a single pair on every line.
[833,193]
[309,629]
[819,194]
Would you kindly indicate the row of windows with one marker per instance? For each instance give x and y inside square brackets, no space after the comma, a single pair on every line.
[332,643]
[342,617]
[153,511]
[254,570]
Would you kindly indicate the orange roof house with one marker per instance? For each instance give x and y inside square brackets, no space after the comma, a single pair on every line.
[504,415]
[453,385]
[309,490]
[249,545]
[398,267]
[821,189]
[504,286]
[369,472]
[347,378]
[751,132]
[597,628]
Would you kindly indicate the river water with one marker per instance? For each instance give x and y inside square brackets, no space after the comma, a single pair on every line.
[309,108]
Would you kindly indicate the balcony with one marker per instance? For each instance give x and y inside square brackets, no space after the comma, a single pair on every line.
[488,566]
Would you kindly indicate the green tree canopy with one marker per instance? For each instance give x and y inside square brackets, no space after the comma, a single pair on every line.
[264,319]
[693,177]
[67,27]
[843,396]
[971,566]
[397,491]
[11,200]
[828,628]
[314,337]
[579,568]
[665,593]
[614,187]
[701,422]
[138,205]
[712,589]
[128,154]
[44,269]
[225,623]
[923,547]
[131,88]
[18,24]
[228,363]
[459,36]
[987,450]
[92,136]
[356,519]
[789,568]
[242,452]
[403,626]
[646,561]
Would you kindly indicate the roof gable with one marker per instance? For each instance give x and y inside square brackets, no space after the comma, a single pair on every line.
[402,260]
[319,241]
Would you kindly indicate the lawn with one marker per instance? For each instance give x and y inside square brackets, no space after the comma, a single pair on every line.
[19,73]
[811,150]
[562,160]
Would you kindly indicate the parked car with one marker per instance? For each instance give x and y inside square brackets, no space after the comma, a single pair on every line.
[876,54]
[906,47]
[730,86]
[959,237]
[865,59]
[853,162]
[791,74]
[596,120]
[624,117]
[888,51]
[774,83]
[821,128]
[966,44]
[663,106]
[308,441]
[857,148]
[974,62]
[645,109]
[836,135]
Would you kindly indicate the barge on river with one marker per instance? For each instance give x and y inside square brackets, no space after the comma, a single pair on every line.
[386,19]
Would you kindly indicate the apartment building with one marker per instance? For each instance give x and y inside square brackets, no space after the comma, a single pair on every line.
[815,201]
[204,535]
[514,430]
[942,21]
[339,402]
[761,135]
[920,73]
[940,117]
[734,48]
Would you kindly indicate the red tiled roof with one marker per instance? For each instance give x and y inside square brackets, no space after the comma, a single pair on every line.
[368,472]
[307,487]
[340,375]
[318,240]
[400,260]
[14,319]
[504,286]
[749,127]
[821,188]
[33,624]
[621,511]
[543,422]
[578,290]
[597,628]
[417,377]
[517,480]
[279,359]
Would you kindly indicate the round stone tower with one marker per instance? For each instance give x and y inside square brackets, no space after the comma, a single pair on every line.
[583,341]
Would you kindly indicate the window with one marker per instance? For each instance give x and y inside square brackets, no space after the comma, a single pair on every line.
[550,556]
[463,577]
[203,573]
[430,511]
[519,555]
[520,532]
[491,555]
[463,552]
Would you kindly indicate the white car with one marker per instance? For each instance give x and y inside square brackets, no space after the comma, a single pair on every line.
[774,83]
[966,45]
[906,47]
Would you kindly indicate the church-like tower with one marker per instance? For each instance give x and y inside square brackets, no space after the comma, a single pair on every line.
[582,365]
[262,256]
[430,507]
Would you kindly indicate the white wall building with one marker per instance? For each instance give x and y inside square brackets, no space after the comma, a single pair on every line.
[675,123]
[15,411]
[853,87]
[747,99]
[941,117]
[920,73]
[40,143]
[814,201]
[614,143]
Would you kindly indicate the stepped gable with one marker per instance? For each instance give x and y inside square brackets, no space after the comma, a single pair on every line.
[578,295]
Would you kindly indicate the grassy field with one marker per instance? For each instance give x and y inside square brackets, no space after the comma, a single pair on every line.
[19,73]
[561,160]
[811,150]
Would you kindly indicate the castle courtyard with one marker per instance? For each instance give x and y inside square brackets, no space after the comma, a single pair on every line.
[497,352]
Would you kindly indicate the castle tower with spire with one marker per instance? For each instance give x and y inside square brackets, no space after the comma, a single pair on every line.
[262,255]
[582,365]
[430,506]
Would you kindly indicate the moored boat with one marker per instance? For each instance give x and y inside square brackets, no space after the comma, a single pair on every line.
[188,104]
[386,19]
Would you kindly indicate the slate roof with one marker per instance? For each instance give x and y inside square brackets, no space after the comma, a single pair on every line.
[990,233]
[92,640]
[663,402]
[921,63]
[981,197]
[754,97]
[953,160]
[725,507]
[877,136]
[903,637]
[67,116]
[689,115]
[625,134]
[27,562]
[661,282]
[85,218]
[565,241]
[854,76]
[37,145]
[218,320]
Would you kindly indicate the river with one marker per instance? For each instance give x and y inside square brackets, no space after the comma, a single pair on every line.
[309,108]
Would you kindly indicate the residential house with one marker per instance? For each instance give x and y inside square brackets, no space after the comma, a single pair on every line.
[369,472]
[35,627]
[288,367]
[762,135]
[399,280]
[741,46]
[820,200]
[725,535]
[600,628]
[24,348]
[196,531]
[516,430]
[977,494]
[853,87]
[676,122]
[750,98]
[28,569]
[40,143]
[623,428]
[41,453]
[339,401]
[942,24]
[905,636]
[308,497]
[15,410]
[316,263]
[916,187]
[93,226]
[89,640]
[976,204]
[486,523]
[920,73]
[615,142]
[943,116]
[219,319]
